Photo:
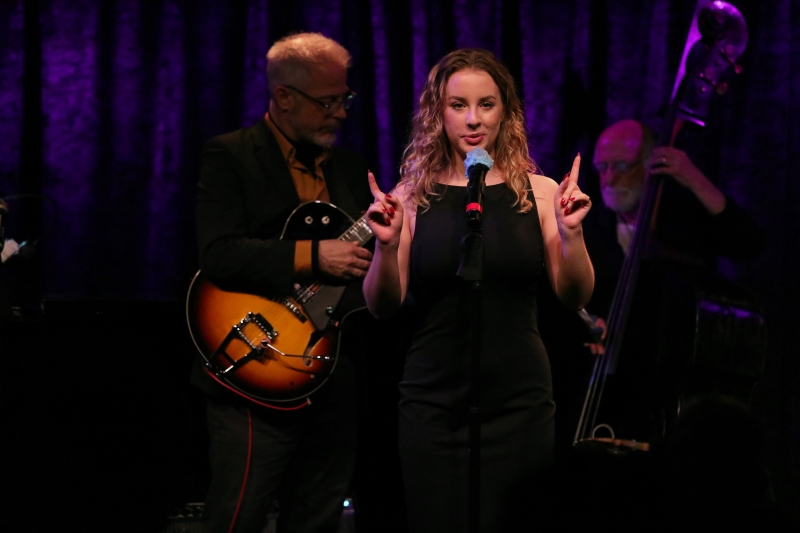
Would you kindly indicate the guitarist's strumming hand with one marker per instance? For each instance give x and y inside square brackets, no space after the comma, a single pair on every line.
[385,215]
[343,259]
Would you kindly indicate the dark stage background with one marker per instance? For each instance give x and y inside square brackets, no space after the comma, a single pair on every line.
[104,109]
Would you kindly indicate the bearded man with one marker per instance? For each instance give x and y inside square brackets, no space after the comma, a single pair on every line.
[251,181]
[696,223]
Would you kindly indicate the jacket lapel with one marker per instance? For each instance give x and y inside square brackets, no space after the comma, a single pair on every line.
[269,155]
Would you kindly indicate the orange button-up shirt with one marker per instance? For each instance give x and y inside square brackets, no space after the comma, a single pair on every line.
[310,186]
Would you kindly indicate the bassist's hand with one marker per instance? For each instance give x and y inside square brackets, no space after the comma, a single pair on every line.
[676,163]
[598,348]
[343,259]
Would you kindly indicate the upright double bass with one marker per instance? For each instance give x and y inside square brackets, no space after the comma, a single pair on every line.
[632,399]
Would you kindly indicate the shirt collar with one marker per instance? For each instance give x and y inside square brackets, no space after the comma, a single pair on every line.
[287,146]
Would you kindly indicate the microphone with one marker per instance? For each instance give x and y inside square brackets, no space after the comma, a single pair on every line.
[477,163]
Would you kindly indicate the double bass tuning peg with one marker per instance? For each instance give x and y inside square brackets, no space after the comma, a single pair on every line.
[737,68]
[720,87]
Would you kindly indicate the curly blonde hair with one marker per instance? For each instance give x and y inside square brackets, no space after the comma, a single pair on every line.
[428,154]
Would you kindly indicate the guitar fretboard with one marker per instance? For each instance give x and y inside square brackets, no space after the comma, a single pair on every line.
[358,232]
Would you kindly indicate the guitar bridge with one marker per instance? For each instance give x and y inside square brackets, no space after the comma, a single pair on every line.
[238,333]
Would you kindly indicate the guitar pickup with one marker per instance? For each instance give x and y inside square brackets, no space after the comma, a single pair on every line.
[319,302]
[294,309]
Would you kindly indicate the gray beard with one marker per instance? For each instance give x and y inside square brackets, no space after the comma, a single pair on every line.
[323,140]
[622,199]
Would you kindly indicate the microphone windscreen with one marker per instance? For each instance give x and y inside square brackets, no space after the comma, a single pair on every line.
[478,156]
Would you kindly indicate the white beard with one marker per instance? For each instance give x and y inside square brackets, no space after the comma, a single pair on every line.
[622,199]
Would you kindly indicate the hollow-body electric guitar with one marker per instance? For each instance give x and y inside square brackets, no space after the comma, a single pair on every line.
[275,350]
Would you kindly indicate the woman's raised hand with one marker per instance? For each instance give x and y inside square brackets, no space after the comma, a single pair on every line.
[385,215]
[570,203]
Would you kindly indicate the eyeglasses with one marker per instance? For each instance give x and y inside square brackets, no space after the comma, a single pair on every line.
[345,101]
[619,166]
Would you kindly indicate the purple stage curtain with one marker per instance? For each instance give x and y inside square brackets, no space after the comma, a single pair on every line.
[105,106]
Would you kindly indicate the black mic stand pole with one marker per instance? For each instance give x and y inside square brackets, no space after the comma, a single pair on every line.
[471,271]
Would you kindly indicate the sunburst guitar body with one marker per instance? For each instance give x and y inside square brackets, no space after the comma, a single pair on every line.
[275,351]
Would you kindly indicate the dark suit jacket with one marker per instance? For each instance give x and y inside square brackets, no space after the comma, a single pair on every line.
[247,193]
[686,233]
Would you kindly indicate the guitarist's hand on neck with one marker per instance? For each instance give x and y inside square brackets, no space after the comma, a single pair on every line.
[343,260]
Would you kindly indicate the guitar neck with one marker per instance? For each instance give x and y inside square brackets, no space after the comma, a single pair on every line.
[358,232]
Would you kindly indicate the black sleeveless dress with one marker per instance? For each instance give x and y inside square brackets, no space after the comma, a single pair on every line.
[516,391]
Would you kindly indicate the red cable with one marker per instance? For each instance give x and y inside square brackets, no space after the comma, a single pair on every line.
[307,401]
[246,468]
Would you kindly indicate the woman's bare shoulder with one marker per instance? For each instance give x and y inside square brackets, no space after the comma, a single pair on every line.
[401,189]
[403,192]
[542,186]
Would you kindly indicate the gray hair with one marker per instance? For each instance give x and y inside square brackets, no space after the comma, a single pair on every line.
[289,60]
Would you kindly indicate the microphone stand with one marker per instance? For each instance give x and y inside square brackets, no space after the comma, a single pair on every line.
[471,271]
